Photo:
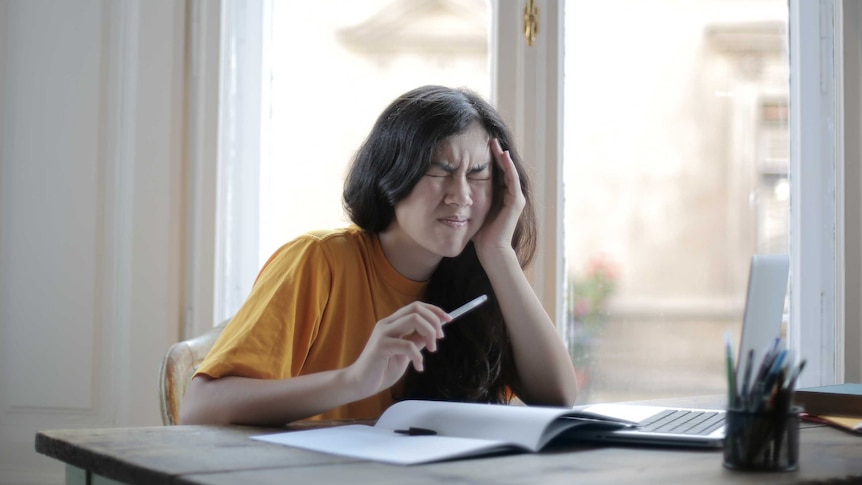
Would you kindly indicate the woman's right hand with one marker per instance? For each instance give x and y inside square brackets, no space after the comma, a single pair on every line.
[396,341]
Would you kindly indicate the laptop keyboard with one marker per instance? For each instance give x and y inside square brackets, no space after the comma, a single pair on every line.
[674,421]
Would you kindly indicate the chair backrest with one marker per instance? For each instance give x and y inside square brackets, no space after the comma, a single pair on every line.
[178,367]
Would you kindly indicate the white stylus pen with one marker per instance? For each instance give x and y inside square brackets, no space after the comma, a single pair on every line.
[466,307]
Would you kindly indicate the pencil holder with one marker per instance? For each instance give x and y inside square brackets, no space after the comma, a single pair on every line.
[762,441]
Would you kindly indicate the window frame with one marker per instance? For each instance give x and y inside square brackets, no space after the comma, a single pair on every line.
[816,255]
[527,88]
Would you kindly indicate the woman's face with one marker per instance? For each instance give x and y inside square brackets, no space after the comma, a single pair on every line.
[446,207]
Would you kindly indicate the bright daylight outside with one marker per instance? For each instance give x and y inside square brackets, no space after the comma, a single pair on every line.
[675,156]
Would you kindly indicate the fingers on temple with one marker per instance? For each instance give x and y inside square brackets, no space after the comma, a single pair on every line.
[504,159]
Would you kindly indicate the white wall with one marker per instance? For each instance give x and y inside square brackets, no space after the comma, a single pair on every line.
[92,216]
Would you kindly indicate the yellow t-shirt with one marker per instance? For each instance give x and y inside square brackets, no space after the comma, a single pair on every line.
[312,309]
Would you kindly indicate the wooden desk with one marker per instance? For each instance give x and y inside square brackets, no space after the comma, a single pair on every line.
[226,455]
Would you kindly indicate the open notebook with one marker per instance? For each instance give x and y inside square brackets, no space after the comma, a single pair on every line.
[764,306]
[414,432]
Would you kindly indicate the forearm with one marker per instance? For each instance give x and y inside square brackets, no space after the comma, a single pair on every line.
[242,400]
[544,367]
[395,342]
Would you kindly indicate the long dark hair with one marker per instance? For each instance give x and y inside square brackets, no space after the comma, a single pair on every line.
[474,361]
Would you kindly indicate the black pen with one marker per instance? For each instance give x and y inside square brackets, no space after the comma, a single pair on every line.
[746,378]
[412,431]
[794,374]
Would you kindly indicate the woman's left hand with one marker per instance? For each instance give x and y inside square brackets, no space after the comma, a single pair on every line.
[496,233]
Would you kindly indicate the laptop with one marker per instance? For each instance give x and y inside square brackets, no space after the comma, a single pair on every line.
[678,426]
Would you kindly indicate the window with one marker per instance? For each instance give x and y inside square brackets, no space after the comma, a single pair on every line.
[331,76]
[322,72]
[676,160]
[527,85]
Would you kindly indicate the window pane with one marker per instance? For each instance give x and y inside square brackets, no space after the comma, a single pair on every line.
[333,66]
[676,173]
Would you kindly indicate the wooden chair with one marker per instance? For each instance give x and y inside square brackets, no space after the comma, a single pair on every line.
[178,367]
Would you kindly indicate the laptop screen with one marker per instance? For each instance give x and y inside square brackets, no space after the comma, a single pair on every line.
[764,306]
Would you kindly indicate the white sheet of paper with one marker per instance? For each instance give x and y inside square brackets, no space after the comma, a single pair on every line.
[369,443]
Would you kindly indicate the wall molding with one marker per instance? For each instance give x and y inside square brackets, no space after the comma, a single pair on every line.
[202,95]
[120,81]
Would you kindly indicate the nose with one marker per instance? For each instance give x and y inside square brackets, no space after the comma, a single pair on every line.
[458,191]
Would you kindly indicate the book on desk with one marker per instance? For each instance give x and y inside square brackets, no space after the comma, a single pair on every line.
[838,405]
[414,432]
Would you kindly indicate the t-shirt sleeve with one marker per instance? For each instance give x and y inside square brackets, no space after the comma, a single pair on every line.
[272,333]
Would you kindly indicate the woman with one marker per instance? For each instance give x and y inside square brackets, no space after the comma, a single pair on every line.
[442,213]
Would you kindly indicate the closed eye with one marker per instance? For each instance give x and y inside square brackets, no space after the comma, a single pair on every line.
[481,172]
[440,169]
